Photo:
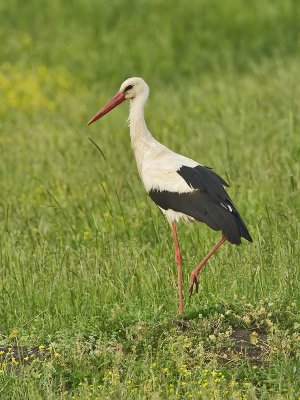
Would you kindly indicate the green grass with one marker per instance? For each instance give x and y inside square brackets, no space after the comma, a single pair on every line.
[87,264]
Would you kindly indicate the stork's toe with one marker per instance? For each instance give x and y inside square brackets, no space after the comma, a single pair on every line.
[194,283]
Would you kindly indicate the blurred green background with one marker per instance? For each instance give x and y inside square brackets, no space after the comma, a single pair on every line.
[162,41]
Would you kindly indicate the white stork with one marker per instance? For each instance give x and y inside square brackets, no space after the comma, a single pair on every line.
[180,187]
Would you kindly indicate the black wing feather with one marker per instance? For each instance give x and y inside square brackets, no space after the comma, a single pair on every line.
[208,203]
[206,180]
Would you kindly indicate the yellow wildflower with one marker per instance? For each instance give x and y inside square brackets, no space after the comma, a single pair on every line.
[14,361]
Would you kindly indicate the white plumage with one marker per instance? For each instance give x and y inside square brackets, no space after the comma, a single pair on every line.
[157,165]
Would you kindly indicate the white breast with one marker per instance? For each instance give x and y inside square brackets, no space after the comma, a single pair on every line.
[159,169]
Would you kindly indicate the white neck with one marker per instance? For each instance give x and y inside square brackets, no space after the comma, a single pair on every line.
[139,134]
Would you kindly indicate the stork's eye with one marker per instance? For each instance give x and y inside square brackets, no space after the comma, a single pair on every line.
[128,87]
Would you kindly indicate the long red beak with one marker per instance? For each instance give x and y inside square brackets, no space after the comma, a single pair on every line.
[114,102]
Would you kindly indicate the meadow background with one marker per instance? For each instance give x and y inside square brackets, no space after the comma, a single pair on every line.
[88,282]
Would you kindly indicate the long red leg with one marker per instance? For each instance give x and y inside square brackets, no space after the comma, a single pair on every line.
[194,279]
[179,267]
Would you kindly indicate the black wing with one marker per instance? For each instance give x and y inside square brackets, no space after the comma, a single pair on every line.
[208,203]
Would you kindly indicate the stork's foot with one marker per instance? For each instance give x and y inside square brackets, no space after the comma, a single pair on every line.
[194,283]
[182,323]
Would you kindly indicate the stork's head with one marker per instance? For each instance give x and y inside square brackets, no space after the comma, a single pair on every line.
[133,89]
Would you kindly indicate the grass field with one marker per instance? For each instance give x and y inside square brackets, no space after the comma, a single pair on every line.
[88,282]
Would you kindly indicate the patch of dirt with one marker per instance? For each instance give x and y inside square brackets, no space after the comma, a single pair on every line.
[250,345]
[16,356]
